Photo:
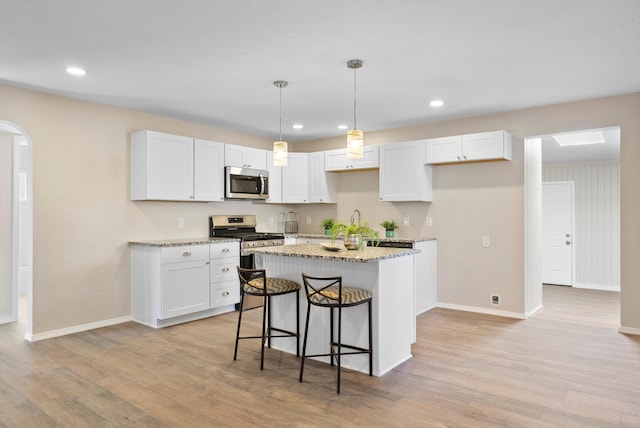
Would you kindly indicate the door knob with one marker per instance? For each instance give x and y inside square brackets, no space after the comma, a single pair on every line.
[568,242]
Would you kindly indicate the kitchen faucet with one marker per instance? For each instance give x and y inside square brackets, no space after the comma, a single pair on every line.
[353,215]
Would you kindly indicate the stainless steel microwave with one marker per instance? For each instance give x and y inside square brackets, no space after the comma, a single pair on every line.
[246,183]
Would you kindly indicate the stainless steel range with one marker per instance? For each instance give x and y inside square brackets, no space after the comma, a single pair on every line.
[243,227]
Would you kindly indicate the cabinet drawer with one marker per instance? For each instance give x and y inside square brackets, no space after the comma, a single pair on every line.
[185,253]
[222,270]
[225,249]
[225,293]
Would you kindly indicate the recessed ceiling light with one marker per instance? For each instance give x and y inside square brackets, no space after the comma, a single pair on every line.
[76,71]
[297,126]
[580,139]
[342,126]
[436,103]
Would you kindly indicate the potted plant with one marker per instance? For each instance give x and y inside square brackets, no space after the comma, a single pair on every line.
[328,223]
[355,235]
[389,227]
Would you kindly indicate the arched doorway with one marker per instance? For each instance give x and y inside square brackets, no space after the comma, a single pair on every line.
[16,226]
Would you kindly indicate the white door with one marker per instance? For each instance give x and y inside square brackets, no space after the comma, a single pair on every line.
[557,232]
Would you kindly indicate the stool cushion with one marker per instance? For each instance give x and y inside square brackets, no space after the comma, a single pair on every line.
[274,286]
[350,296]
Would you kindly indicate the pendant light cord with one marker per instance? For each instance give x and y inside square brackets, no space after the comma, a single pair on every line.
[355,125]
[280,113]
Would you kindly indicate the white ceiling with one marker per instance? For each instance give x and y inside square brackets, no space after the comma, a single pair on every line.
[214,62]
[552,152]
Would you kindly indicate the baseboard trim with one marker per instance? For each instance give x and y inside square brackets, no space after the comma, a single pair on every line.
[596,287]
[76,329]
[629,330]
[479,310]
[535,312]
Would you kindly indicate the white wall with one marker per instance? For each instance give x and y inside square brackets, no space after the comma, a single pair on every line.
[489,198]
[84,218]
[6,224]
[597,228]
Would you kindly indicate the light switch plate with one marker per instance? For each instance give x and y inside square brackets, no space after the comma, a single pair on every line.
[486,241]
[429,221]
[405,221]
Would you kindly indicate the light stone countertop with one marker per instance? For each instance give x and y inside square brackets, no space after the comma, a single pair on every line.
[317,251]
[382,237]
[177,242]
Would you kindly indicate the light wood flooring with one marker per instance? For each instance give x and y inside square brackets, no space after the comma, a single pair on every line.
[567,367]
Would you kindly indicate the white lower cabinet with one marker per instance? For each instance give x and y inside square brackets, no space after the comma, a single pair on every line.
[225,286]
[185,288]
[175,284]
[426,276]
[311,240]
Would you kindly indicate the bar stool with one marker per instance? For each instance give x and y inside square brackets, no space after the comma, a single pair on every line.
[252,282]
[328,292]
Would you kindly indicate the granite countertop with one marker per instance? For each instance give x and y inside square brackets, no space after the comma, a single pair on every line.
[177,242]
[317,251]
[382,237]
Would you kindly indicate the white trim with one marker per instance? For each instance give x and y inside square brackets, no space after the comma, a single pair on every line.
[629,330]
[596,287]
[534,312]
[479,310]
[76,329]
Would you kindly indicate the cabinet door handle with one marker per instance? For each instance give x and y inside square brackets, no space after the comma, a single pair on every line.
[186,254]
[225,250]
[459,158]
[225,269]
[226,293]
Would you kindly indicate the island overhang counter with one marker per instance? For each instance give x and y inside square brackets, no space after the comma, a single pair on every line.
[388,273]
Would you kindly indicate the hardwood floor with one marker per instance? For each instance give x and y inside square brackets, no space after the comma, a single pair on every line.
[566,367]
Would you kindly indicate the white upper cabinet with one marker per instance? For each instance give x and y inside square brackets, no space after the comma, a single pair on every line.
[208,160]
[337,160]
[245,157]
[295,179]
[175,168]
[403,174]
[275,180]
[495,145]
[323,186]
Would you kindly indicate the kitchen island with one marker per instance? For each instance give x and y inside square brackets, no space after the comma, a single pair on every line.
[387,272]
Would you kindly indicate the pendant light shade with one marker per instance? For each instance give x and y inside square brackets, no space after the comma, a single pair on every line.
[355,143]
[355,137]
[280,153]
[280,148]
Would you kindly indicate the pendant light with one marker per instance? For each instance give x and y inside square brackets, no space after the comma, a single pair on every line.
[355,137]
[280,148]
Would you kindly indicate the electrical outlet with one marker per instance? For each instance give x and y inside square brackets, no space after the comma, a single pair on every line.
[180,222]
[486,241]
[308,219]
[495,299]
[429,221]
[405,221]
